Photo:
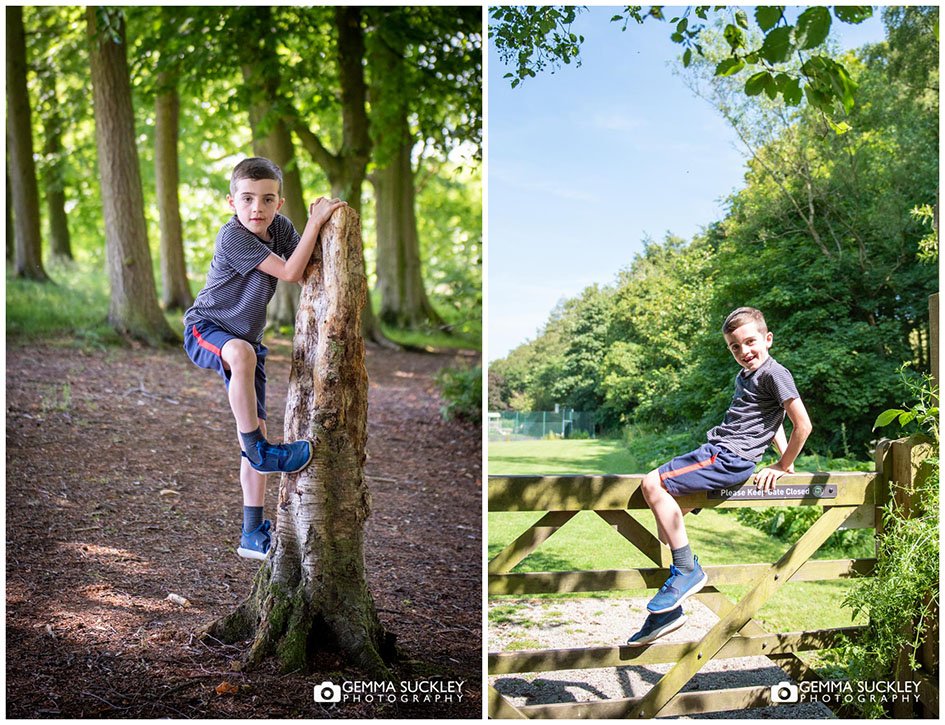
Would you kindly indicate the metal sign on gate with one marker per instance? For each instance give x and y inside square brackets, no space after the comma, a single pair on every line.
[749,492]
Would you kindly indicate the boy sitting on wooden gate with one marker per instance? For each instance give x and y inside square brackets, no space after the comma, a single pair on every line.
[764,391]
[224,328]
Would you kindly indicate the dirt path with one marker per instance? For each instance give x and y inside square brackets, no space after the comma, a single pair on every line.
[122,488]
[524,624]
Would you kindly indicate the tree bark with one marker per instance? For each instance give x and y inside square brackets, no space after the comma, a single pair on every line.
[175,289]
[11,234]
[347,169]
[133,309]
[60,242]
[404,301]
[312,591]
[273,140]
[27,259]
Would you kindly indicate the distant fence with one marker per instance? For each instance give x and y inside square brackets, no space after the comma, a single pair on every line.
[512,425]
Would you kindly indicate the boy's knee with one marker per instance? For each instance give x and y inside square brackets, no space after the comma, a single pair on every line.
[651,482]
[238,354]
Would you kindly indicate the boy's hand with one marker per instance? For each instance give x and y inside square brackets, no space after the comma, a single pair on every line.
[321,209]
[766,477]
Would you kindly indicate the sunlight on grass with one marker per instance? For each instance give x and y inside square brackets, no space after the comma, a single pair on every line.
[74,305]
[432,339]
[559,457]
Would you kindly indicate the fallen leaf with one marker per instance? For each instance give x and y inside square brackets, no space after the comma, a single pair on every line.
[225,688]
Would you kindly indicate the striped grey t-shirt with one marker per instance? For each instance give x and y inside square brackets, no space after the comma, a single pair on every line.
[756,411]
[236,294]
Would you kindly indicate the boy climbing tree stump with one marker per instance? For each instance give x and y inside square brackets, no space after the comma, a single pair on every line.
[312,592]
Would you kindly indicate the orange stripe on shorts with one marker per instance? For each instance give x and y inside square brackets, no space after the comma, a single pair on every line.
[686,469]
[205,343]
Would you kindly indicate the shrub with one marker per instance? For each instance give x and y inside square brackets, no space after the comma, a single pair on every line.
[901,599]
[461,389]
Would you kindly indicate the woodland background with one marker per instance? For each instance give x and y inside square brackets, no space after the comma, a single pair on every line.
[381,106]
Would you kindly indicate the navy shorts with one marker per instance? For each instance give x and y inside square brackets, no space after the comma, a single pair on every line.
[708,468]
[203,342]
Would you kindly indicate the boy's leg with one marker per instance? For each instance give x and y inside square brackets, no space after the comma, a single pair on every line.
[687,576]
[246,399]
[240,359]
[662,534]
[252,481]
[255,538]
[668,515]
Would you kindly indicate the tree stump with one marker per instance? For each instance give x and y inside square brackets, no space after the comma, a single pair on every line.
[312,593]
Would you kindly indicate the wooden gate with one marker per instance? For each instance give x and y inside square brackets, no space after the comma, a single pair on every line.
[847,500]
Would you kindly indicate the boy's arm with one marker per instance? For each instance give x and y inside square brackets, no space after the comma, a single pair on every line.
[780,441]
[766,477]
[291,270]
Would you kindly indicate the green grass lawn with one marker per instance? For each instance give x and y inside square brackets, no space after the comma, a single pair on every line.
[587,542]
[561,457]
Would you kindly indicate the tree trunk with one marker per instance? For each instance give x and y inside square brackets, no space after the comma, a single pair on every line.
[273,140]
[312,591]
[347,169]
[133,309]
[175,289]
[28,259]
[404,302]
[60,242]
[11,235]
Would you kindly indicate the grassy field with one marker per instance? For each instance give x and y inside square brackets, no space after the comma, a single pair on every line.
[587,542]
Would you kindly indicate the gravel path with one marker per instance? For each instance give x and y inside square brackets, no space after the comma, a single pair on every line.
[559,624]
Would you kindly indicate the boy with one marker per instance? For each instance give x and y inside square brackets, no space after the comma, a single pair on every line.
[223,330]
[764,392]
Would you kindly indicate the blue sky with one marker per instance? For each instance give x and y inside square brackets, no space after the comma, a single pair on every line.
[584,163]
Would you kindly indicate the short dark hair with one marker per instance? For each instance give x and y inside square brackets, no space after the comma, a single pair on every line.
[742,316]
[255,168]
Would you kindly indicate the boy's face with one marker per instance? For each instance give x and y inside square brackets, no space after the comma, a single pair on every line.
[749,346]
[256,203]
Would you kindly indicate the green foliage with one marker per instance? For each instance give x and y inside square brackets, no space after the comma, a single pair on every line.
[789,523]
[461,389]
[651,447]
[450,229]
[928,244]
[922,415]
[531,39]
[901,599]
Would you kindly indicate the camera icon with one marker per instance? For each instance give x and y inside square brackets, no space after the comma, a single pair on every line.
[784,692]
[327,692]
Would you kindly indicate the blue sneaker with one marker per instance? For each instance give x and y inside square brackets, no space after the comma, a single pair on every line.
[678,588]
[656,625]
[282,458]
[255,544]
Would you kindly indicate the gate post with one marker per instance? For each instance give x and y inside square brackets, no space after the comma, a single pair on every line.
[911,465]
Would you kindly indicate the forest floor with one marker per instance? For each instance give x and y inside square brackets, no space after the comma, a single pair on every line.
[122,488]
